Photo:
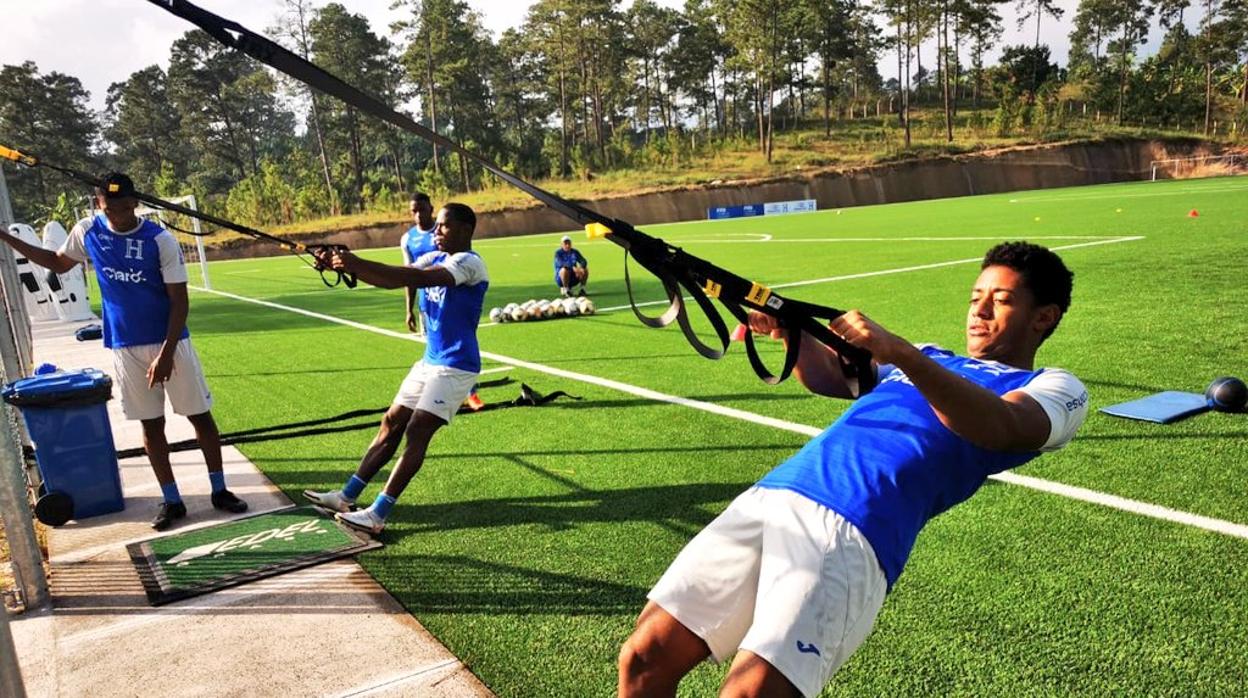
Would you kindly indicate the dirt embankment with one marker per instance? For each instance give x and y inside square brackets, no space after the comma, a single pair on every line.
[985,172]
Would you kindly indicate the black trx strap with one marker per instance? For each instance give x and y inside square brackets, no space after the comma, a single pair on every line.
[317,251]
[675,268]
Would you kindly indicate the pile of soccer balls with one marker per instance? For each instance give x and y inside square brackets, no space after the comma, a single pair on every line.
[542,310]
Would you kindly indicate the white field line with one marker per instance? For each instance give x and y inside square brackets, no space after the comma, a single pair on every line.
[1077,493]
[1096,197]
[400,679]
[899,270]
[765,237]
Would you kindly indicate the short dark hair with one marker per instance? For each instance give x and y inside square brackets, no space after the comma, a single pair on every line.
[462,214]
[418,196]
[1044,273]
[115,185]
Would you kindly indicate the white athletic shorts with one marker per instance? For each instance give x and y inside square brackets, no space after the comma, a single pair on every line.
[438,390]
[186,387]
[781,576]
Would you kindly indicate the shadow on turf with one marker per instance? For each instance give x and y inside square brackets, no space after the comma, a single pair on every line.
[461,584]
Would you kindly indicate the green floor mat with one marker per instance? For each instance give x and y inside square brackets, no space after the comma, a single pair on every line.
[183,565]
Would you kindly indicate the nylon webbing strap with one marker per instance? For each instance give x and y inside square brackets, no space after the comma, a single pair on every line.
[674,268]
[156,202]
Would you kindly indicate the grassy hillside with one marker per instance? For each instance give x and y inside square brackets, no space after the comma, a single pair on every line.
[804,150]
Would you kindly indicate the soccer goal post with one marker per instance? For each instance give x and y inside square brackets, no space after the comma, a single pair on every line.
[192,242]
[1200,167]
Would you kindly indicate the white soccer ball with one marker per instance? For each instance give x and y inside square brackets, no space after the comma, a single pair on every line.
[570,308]
[548,309]
[496,314]
[556,308]
[586,306]
[519,313]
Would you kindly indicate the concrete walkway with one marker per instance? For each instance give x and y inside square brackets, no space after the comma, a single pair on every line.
[328,630]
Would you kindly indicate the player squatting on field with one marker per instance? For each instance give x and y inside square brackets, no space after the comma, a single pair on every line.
[452,283]
[144,307]
[787,582]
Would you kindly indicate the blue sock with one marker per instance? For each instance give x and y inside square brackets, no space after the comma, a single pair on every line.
[382,505]
[171,493]
[217,479]
[353,488]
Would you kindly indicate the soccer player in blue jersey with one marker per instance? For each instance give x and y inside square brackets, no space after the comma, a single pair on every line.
[416,243]
[571,269]
[143,293]
[452,282]
[787,582]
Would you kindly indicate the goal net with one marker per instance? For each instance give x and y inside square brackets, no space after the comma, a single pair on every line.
[188,232]
[1200,167]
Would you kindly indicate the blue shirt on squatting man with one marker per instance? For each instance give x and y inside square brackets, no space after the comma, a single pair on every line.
[451,312]
[889,465]
[566,259]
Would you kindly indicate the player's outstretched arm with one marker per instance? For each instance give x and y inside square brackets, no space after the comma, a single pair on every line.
[1010,422]
[387,276]
[48,259]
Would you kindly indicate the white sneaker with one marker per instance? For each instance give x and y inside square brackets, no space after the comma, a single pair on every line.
[364,520]
[333,501]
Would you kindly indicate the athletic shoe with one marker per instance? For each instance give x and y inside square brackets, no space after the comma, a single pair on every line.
[563,292]
[167,514]
[581,293]
[226,501]
[363,520]
[333,501]
[474,402]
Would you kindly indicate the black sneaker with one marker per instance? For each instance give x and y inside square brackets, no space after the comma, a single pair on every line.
[226,501]
[581,293]
[167,514]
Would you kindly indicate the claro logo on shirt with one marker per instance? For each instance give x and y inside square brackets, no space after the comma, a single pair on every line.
[435,294]
[1072,405]
[134,276]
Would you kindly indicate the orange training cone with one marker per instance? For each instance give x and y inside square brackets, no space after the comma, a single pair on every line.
[738,335]
[1193,214]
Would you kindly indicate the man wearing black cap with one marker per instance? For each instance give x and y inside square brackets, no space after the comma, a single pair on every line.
[571,269]
[143,293]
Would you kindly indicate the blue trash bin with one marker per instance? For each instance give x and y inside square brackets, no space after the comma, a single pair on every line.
[67,419]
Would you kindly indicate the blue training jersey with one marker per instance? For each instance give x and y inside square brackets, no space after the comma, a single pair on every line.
[135,302]
[569,258]
[416,243]
[451,312]
[889,465]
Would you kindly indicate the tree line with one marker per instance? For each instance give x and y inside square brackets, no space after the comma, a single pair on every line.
[585,86]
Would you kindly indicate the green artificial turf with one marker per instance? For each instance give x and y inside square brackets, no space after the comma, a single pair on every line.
[530,538]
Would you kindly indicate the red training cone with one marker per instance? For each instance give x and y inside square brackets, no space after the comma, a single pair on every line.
[738,335]
[1193,214]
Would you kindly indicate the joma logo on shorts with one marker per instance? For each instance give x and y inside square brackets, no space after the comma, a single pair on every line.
[134,277]
[1078,402]
[249,540]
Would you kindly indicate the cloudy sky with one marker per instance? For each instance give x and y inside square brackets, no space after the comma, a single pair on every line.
[104,41]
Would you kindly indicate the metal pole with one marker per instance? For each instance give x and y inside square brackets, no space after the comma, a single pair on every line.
[17,316]
[10,672]
[14,502]
[199,246]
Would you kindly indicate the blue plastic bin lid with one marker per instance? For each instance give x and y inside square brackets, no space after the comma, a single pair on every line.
[65,388]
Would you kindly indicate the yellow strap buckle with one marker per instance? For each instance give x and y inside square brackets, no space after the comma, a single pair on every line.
[597,230]
[758,294]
